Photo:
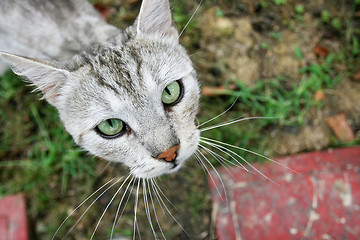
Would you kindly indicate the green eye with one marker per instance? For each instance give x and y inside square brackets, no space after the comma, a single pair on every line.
[110,127]
[172,93]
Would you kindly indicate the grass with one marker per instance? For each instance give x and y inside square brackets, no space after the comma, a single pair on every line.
[288,103]
[37,157]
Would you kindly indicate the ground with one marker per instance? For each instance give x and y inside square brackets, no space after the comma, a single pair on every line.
[297,61]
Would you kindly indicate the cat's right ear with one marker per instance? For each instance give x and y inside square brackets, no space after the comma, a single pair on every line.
[46,77]
[155,18]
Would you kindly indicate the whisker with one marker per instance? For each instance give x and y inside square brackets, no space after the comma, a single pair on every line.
[133,180]
[163,194]
[147,209]
[239,164]
[97,190]
[116,219]
[157,198]
[228,109]
[202,164]
[217,174]
[154,186]
[107,206]
[152,202]
[243,159]
[106,167]
[87,209]
[192,16]
[252,152]
[223,161]
[135,210]
[232,122]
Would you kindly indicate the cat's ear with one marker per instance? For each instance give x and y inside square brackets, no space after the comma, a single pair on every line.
[155,18]
[47,78]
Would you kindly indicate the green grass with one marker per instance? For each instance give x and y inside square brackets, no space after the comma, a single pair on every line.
[288,103]
[38,157]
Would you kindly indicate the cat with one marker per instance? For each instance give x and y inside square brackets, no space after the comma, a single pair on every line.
[130,99]
[125,96]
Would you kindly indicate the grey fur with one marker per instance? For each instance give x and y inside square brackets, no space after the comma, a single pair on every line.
[55,29]
[124,78]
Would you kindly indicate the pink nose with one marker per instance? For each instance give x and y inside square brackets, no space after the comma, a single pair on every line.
[170,154]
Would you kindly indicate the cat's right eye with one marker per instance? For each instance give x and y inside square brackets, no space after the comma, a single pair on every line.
[172,93]
[110,128]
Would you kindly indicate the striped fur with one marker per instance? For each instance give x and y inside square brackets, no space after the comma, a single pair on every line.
[124,78]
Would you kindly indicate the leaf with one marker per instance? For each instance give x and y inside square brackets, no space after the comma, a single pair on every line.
[341,128]
[321,51]
[319,95]
[216,91]
[356,76]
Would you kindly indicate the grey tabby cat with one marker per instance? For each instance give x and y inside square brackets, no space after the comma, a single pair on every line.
[128,97]
[131,98]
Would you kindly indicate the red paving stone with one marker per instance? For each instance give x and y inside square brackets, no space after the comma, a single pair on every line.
[321,202]
[13,224]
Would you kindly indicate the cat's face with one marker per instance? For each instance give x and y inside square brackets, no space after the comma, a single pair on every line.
[127,83]
[111,97]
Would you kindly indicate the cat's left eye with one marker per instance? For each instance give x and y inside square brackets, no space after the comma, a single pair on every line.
[172,93]
[110,128]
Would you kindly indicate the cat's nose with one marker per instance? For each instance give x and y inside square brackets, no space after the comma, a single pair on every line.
[169,155]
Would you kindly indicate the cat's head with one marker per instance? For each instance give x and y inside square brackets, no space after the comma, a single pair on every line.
[130,100]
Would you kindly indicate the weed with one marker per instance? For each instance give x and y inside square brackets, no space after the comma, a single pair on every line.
[299,9]
[288,103]
[280,2]
[275,35]
[336,23]
[265,46]
[355,47]
[325,16]
[219,13]
[263,4]
[298,53]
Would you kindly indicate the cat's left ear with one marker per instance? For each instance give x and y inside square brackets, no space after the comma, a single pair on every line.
[46,77]
[155,18]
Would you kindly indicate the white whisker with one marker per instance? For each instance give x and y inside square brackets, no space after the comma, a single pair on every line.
[135,210]
[57,230]
[228,109]
[217,174]
[163,194]
[154,186]
[232,122]
[202,164]
[106,167]
[107,207]
[153,206]
[192,16]
[226,153]
[116,219]
[147,209]
[223,161]
[252,152]
[128,198]
[240,157]
[87,209]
